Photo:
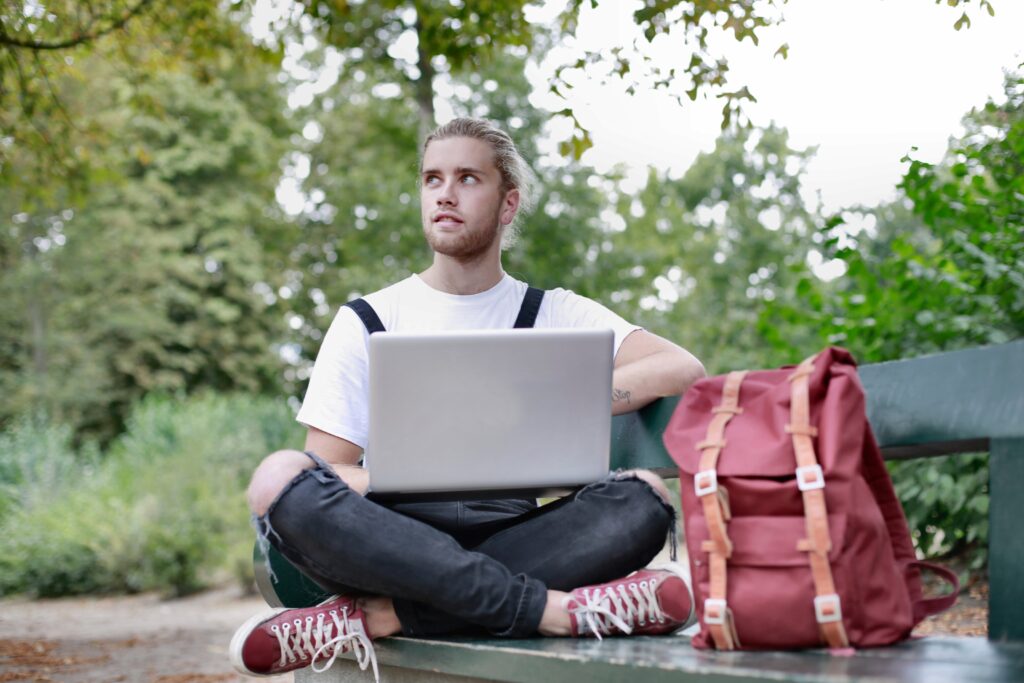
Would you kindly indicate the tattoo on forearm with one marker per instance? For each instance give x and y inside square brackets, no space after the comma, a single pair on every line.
[620,395]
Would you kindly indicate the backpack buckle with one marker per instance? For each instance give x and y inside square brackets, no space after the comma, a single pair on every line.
[810,477]
[705,482]
[827,608]
[715,610]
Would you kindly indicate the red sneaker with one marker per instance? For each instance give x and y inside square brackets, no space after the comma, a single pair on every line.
[647,602]
[289,639]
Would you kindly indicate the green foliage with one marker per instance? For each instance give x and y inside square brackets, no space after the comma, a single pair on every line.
[465,34]
[147,280]
[946,503]
[945,273]
[47,133]
[703,254]
[36,458]
[945,270]
[973,204]
[694,24]
[163,510]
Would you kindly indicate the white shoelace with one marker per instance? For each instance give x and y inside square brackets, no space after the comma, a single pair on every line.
[623,607]
[314,638]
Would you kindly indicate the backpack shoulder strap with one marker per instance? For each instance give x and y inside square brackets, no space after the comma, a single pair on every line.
[528,311]
[366,313]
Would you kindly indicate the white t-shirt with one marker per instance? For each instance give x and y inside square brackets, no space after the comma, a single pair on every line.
[337,400]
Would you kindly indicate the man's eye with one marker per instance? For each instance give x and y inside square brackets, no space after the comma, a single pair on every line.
[431,180]
[469,180]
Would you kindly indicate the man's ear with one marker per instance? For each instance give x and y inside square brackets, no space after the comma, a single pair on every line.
[509,206]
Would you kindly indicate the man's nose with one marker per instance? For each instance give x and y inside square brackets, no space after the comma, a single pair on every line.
[446,195]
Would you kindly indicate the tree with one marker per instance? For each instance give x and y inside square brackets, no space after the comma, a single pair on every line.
[147,280]
[42,48]
[694,23]
[709,250]
[62,25]
[449,37]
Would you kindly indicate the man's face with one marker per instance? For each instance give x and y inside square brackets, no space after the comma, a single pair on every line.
[461,200]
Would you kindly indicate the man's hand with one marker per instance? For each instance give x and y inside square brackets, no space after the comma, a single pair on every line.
[648,367]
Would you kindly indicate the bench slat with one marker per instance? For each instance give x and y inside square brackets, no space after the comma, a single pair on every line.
[970,395]
[1006,540]
[671,660]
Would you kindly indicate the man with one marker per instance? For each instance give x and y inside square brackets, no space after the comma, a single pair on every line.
[504,567]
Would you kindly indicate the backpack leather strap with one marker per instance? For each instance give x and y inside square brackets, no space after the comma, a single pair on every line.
[811,481]
[715,501]
[925,607]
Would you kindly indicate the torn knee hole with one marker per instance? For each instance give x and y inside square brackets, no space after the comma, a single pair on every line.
[653,482]
[273,476]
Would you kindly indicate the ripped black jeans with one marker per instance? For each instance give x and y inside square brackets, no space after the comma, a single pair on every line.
[460,567]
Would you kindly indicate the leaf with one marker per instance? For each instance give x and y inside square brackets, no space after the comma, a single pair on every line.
[783,51]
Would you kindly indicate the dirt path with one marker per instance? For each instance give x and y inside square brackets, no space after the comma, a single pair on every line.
[123,639]
[148,640]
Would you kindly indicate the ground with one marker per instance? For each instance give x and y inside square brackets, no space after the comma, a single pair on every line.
[139,638]
[145,639]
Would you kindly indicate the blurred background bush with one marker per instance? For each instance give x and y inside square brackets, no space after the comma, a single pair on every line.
[162,508]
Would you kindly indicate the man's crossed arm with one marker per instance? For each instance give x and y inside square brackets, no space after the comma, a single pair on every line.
[648,367]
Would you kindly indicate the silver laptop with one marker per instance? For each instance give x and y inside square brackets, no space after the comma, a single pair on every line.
[488,413]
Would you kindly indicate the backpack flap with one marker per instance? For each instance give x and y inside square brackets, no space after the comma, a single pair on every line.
[756,442]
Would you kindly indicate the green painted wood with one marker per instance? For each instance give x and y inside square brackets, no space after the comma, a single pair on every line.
[961,396]
[1006,540]
[288,587]
[671,659]
[636,438]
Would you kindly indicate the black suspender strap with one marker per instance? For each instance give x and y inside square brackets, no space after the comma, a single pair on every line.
[528,311]
[367,315]
[526,318]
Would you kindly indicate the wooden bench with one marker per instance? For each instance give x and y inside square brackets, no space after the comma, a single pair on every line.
[955,402]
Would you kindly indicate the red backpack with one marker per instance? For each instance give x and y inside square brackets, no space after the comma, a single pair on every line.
[795,535]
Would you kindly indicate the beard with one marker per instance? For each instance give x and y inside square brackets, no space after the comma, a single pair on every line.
[467,244]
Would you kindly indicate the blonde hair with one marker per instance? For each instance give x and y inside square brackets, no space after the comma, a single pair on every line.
[516,174]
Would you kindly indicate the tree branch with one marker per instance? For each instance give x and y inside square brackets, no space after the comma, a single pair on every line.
[78,39]
[424,86]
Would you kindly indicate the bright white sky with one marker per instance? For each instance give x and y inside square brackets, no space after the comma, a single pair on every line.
[866,80]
